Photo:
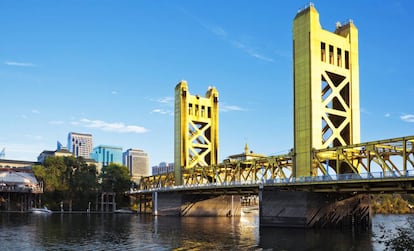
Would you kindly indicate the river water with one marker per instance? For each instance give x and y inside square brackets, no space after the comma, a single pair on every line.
[144,232]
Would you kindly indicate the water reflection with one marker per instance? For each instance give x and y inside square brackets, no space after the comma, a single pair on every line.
[207,233]
[144,232]
[310,239]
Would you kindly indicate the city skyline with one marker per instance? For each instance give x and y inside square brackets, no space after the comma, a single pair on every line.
[109,69]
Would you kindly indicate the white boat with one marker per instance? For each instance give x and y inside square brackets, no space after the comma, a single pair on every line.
[123,211]
[250,209]
[40,210]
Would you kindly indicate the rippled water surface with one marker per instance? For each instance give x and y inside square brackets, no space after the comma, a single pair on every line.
[144,232]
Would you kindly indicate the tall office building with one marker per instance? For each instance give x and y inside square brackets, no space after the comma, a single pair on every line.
[137,162]
[163,168]
[80,144]
[107,154]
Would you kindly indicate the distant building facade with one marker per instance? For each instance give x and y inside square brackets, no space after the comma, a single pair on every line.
[137,162]
[106,155]
[245,156]
[60,152]
[80,144]
[17,164]
[162,168]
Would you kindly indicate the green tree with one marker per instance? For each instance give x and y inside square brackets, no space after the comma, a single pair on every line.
[54,174]
[82,182]
[115,178]
[67,179]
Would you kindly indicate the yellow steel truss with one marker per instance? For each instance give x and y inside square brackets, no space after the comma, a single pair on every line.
[326,88]
[392,157]
[196,130]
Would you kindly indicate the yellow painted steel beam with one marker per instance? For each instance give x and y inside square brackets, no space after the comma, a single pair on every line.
[359,157]
[196,131]
[326,89]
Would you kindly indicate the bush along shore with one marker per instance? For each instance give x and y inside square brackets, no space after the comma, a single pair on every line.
[392,203]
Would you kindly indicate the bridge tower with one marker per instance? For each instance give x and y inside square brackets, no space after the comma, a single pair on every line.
[326,88]
[196,130]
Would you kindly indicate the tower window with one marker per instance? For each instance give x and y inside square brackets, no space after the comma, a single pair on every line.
[203,110]
[339,57]
[346,59]
[190,109]
[323,52]
[331,54]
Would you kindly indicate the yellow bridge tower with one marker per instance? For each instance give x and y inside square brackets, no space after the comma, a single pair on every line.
[196,130]
[326,88]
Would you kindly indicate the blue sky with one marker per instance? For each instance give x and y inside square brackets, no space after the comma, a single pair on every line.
[109,68]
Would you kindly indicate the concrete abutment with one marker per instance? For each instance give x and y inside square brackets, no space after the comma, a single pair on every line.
[313,210]
[176,204]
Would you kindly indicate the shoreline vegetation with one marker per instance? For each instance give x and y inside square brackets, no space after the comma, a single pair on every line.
[70,184]
[392,203]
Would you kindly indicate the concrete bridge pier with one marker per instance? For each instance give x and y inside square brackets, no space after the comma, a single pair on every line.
[303,209]
[178,204]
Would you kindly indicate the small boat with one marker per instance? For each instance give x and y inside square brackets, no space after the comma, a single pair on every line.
[40,210]
[123,211]
[250,209]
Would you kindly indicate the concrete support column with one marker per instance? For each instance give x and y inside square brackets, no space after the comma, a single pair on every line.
[313,210]
[176,204]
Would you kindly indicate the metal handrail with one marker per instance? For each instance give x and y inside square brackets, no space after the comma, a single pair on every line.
[291,180]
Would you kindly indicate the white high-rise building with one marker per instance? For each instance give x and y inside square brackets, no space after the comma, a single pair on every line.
[137,162]
[80,144]
[163,168]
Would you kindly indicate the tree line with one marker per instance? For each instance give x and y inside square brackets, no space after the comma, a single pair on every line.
[71,182]
[392,203]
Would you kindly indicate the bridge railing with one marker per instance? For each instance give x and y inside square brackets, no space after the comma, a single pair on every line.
[379,159]
[337,178]
[391,155]
[343,177]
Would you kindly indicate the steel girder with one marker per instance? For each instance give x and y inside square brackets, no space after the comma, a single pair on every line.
[247,171]
[391,157]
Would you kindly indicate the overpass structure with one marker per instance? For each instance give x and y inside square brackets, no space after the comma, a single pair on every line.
[325,180]
[371,163]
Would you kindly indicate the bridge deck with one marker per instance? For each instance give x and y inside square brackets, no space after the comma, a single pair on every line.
[386,165]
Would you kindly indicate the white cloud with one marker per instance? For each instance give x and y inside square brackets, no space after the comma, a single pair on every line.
[250,51]
[162,111]
[230,108]
[35,111]
[387,115]
[20,64]
[223,34]
[218,31]
[166,100]
[111,127]
[408,118]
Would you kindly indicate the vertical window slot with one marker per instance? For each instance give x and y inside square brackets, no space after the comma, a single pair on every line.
[331,54]
[323,52]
